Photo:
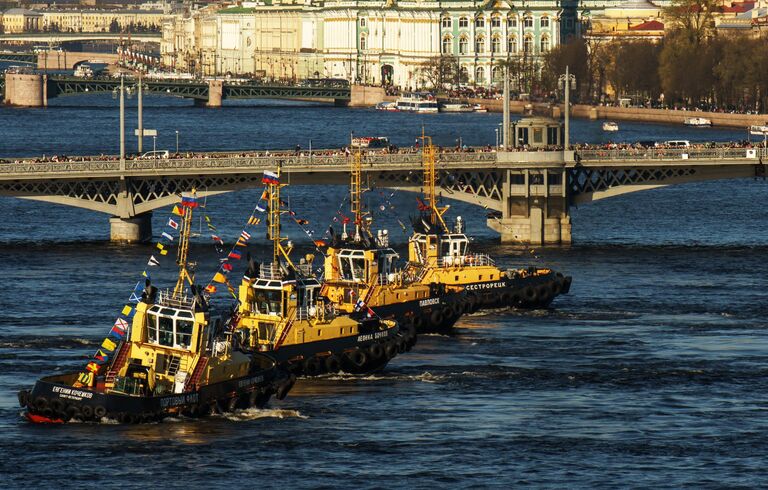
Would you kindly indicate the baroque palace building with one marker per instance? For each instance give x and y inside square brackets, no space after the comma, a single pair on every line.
[366,41]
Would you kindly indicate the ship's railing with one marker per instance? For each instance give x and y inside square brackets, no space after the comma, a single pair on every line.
[465,260]
[167,298]
[270,271]
[304,269]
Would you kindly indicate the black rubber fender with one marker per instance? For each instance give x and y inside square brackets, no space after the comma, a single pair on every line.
[375,352]
[41,403]
[357,357]
[436,318]
[99,411]
[391,349]
[87,412]
[333,363]
[311,367]
[530,294]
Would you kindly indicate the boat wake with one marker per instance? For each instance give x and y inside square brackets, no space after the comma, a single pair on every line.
[262,413]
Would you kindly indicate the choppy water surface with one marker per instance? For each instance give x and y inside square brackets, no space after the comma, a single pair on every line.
[651,373]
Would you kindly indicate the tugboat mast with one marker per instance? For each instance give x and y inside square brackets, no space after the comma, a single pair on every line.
[273,225]
[356,191]
[428,158]
[183,252]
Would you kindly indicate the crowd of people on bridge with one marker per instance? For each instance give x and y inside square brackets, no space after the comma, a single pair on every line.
[298,151]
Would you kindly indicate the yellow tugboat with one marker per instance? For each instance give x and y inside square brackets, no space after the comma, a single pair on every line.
[283,314]
[175,357]
[360,270]
[438,254]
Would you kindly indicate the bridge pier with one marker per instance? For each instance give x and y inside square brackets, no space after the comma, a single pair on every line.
[534,207]
[362,96]
[215,93]
[131,230]
[26,90]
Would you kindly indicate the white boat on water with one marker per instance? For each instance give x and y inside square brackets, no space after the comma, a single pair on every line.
[417,102]
[480,108]
[455,106]
[83,71]
[756,130]
[699,122]
[386,106]
[610,126]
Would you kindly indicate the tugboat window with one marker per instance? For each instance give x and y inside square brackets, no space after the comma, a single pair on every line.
[184,333]
[268,302]
[165,331]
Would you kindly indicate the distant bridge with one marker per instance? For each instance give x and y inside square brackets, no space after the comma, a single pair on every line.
[30,90]
[531,191]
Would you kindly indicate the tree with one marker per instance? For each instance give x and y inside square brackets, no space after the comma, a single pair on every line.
[440,71]
[686,68]
[634,68]
[573,55]
[695,18]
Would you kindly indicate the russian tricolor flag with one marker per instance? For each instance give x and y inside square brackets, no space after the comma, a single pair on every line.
[270,178]
[189,202]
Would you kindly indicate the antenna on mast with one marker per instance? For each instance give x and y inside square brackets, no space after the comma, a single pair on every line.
[183,251]
[273,225]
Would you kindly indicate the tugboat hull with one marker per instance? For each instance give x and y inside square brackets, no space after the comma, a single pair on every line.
[368,351]
[436,314]
[54,400]
[528,292]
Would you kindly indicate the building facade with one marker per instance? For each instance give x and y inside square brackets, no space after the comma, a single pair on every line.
[372,42]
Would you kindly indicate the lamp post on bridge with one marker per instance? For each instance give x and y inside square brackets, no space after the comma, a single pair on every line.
[121,91]
[568,81]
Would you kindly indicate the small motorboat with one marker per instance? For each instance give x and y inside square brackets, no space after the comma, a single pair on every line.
[697,122]
[386,106]
[480,108]
[610,126]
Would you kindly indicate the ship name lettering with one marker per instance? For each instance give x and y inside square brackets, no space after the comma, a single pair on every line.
[250,381]
[430,301]
[71,393]
[485,285]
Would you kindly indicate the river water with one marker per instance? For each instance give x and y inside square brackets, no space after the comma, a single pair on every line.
[650,373]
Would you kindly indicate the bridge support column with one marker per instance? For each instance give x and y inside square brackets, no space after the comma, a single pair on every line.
[131,230]
[362,96]
[25,90]
[215,93]
[535,208]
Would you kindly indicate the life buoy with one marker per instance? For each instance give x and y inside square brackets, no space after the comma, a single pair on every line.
[87,411]
[333,363]
[99,411]
[357,357]
[436,318]
[376,352]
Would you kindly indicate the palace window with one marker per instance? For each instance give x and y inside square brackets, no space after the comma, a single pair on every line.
[528,21]
[447,47]
[480,22]
[447,23]
[363,43]
[496,45]
[544,22]
[528,45]
[479,74]
[512,22]
[544,44]
[496,20]
[463,45]
[497,74]
[463,22]
[512,45]
[480,44]
[362,22]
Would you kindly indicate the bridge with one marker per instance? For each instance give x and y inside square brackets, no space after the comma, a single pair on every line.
[62,37]
[531,192]
[34,90]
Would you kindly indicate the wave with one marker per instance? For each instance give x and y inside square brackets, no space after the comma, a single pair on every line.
[30,342]
[262,413]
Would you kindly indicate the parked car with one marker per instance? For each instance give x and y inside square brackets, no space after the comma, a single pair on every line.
[151,155]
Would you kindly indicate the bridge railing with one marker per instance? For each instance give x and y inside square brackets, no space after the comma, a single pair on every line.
[666,154]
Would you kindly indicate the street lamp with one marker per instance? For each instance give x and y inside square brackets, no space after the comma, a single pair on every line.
[568,81]
[120,92]
[177,142]
[497,138]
